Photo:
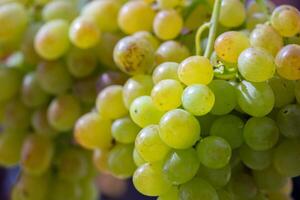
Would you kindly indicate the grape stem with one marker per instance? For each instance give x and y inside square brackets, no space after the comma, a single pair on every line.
[200,30]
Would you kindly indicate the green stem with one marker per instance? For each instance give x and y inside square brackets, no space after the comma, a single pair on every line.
[213,28]
[200,30]
[263,5]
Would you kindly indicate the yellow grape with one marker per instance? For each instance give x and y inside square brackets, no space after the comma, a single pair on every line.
[166,70]
[167,4]
[171,51]
[256,18]
[232,14]
[149,37]
[100,158]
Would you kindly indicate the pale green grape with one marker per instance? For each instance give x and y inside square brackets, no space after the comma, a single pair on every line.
[261,133]
[100,160]
[214,152]
[221,89]
[59,10]
[124,130]
[216,177]
[10,81]
[233,13]
[175,166]
[255,19]
[166,94]
[137,158]
[254,7]
[167,4]
[166,70]
[206,122]
[179,129]
[149,179]
[171,51]
[288,120]
[243,186]
[199,15]
[120,161]
[143,111]
[198,99]
[40,123]
[149,145]
[64,190]
[297,91]
[256,99]
[253,60]
[172,194]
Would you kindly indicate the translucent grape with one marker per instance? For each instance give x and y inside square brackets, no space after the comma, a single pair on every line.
[206,122]
[124,130]
[243,186]
[233,13]
[40,123]
[166,70]
[172,194]
[171,51]
[216,177]
[254,7]
[137,158]
[255,19]
[288,120]
[59,10]
[10,81]
[100,160]
[199,15]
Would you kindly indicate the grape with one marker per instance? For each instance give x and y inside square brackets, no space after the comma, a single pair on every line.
[283,91]
[278,196]
[85,90]
[53,77]
[120,161]
[135,16]
[32,94]
[179,129]
[59,10]
[256,99]
[134,56]
[63,112]
[93,131]
[254,7]
[229,45]
[224,195]
[288,120]
[199,15]
[175,166]
[104,13]
[214,152]
[84,33]
[171,51]
[149,180]
[287,61]
[286,20]
[166,70]
[137,158]
[143,111]
[110,78]
[110,104]
[195,70]
[51,41]
[232,14]
[167,24]
[257,160]
[40,124]
[149,37]
[167,4]
[124,130]
[198,99]
[216,177]
[297,91]
[286,157]
[206,122]
[265,36]
[100,159]
[197,188]
[222,88]
[10,81]
[255,19]
[36,155]
[89,190]
[261,133]
[243,186]
[64,190]
[172,194]
[149,145]
[165,100]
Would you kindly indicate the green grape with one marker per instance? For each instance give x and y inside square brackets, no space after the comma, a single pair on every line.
[166,70]
[149,145]
[287,62]
[179,129]
[256,99]
[149,180]
[198,99]
[84,33]
[93,131]
[229,45]
[222,88]
[53,77]
[254,7]
[59,10]
[216,177]
[149,37]
[51,41]
[224,195]
[172,194]
[206,122]
[120,161]
[285,158]
[243,186]
[89,190]
[199,15]
[135,16]
[134,56]
[286,20]
[269,179]
[255,19]
[171,51]
[104,13]
[297,91]
[110,104]
[137,158]
[256,160]
[288,120]
[10,81]
[233,13]
[135,87]
[261,133]
[143,111]
[283,91]
[197,188]
[167,24]
[100,160]
[214,152]
[167,4]
[64,190]
[230,128]
[195,70]
[85,90]
[124,130]
[13,19]
[10,147]
[165,100]
[32,94]
[40,123]
[266,37]
[175,166]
